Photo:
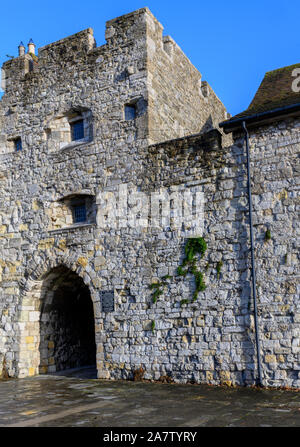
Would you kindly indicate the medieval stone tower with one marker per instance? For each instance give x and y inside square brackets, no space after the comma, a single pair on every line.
[77,124]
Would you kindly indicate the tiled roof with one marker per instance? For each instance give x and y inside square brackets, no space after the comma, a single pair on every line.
[274,92]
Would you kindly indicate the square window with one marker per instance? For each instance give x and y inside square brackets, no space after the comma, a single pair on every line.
[130,112]
[18,144]
[79,213]
[77,130]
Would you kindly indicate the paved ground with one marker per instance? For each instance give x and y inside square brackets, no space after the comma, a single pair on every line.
[76,398]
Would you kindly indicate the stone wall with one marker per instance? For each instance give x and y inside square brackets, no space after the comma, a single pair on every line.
[72,76]
[209,340]
[276,169]
[180,103]
[215,338]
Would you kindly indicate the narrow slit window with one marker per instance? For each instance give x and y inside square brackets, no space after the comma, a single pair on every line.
[79,212]
[77,130]
[18,144]
[130,112]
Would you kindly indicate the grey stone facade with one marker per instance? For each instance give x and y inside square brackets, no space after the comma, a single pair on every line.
[174,141]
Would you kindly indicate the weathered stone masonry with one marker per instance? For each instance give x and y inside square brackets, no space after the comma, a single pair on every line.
[174,141]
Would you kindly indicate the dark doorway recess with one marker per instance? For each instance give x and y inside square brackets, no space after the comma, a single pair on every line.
[67,326]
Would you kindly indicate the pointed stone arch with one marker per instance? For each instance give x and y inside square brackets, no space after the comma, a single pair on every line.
[41,285]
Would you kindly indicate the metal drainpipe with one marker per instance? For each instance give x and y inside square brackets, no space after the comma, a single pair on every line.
[259,370]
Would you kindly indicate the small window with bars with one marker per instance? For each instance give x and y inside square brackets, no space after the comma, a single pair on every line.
[18,144]
[79,213]
[77,130]
[130,112]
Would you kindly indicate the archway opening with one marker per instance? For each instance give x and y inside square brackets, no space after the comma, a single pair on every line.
[67,326]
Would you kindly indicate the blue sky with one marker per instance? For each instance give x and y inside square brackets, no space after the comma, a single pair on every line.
[232,43]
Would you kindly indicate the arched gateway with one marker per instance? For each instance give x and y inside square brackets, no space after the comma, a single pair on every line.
[57,325]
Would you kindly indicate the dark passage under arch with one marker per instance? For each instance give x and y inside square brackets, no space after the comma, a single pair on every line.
[67,327]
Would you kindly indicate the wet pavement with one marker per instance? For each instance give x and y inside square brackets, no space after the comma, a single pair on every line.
[77,399]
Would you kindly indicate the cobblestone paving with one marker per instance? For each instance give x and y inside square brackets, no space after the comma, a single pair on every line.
[76,398]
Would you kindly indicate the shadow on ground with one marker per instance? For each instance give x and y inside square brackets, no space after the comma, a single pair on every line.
[88,372]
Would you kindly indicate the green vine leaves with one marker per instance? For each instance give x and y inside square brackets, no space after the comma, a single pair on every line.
[158,288]
[194,249]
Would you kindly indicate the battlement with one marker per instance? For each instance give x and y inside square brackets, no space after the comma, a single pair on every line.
[140,65]
[79,43]
[126,30]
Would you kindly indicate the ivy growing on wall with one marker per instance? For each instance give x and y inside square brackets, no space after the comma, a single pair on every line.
[194,248]
[268,235]
[194,251]
[152,325]
[218,268]
[158,287]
